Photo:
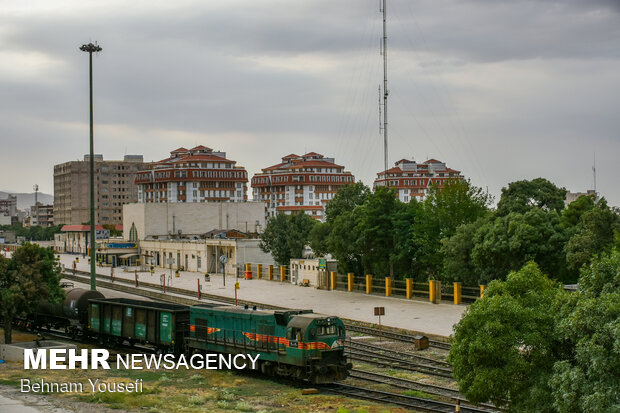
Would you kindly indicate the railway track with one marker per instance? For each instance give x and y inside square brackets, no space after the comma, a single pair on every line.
[371,348]
[408,338]
[395,362]
[415,385]
[410,402]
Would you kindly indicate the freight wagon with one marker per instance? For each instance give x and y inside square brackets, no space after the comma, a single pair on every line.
[161,325]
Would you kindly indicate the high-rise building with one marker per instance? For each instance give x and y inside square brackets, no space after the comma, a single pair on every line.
[413,180]
[114,187]
[193,175]
[300,184]
[8,206]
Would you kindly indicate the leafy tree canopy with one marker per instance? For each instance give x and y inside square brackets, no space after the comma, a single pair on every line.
[521,196]
[506,243]
[29,276]
[503,348]
[286,236]
[588,380]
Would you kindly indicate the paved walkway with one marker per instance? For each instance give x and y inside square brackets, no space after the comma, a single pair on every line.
[414,315]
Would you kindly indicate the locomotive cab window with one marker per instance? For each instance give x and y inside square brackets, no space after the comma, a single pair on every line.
[293,333]
[326,330]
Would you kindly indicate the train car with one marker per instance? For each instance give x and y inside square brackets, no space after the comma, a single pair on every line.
[160,325]
[293,343]
[71,314]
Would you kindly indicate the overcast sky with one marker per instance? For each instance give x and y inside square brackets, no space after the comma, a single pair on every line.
[501,90]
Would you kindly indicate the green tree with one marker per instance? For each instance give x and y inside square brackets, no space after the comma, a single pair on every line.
[346,199]
[506,243]
[318,238]
[503,349]
[345,242]
[438,217]
[376,229]
[588,380]
[571,216]
[456,250]
[522,196]
[286,236]
[31,275]
[594,235]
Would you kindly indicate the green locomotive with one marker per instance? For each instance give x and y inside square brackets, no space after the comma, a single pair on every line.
[292,343]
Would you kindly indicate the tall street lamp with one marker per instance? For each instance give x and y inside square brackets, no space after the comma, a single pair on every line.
[90,48]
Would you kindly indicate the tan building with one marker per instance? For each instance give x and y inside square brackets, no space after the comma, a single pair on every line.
[114,187]
[199,174]
[40,215]
[314,270]
[152,219]
[203,255]
[413,180]
[300,184]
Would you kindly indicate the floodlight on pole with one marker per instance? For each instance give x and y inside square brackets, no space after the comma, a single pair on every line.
[92,48]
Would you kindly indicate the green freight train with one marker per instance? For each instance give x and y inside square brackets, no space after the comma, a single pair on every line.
[291,343]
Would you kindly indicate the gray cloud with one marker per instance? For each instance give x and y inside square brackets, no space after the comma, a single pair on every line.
[499,89]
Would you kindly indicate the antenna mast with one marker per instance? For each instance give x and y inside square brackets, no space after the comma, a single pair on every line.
[385,93]
[594,173]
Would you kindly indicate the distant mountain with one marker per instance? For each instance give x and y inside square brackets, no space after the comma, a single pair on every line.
[25,201]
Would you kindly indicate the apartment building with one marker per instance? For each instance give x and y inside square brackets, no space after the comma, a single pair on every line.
[413,180]
[40,215]
[199,174]
[114,187]
[300,184]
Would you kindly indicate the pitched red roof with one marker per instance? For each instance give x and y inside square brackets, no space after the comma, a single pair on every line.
[402,160]
[200,157]
[201,148]
[433,161]
[391,171]
[78,228]
[181,149]
[313,154]
[290,156]
[313,162]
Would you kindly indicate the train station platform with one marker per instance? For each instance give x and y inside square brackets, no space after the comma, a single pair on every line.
[412,314]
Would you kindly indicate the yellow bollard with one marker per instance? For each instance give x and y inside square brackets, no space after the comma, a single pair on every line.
[388,286]
[270,272]
[458,293]
[334,279]
[368,283]
[259,270]
[282,273]
[482,288]
[409,288]
[351,279]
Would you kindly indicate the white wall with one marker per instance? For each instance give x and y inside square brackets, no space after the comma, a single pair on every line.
[157,219]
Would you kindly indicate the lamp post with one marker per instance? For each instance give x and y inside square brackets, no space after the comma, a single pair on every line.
[90,48]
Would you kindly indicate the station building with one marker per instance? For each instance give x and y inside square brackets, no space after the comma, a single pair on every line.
[413,180]
[300,184]
[199,174]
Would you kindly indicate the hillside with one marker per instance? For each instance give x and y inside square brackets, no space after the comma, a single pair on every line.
[25,200]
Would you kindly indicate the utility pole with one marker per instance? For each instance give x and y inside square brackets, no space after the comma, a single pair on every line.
[385,95]
[90,48]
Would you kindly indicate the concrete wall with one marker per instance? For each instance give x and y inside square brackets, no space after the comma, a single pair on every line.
[160,219]
[203,255]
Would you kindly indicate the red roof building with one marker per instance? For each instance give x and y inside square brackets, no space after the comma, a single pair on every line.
[300,184]
[193,175]
[413,180]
